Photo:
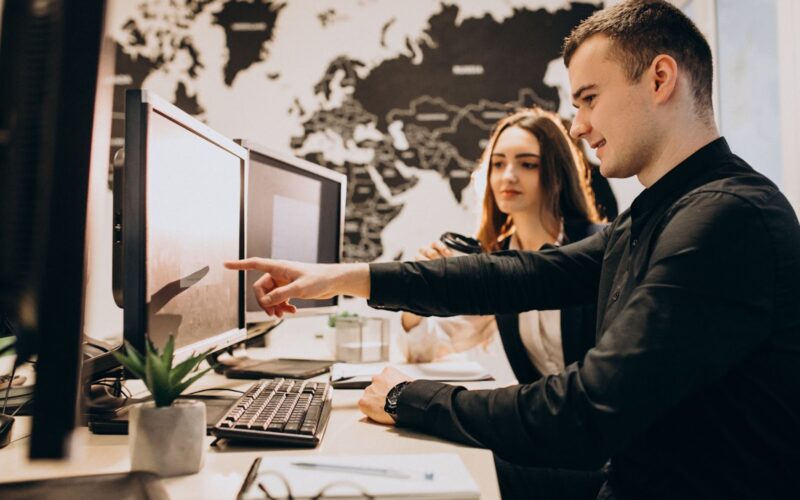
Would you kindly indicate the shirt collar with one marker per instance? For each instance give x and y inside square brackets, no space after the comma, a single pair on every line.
[678,181]
[514,243]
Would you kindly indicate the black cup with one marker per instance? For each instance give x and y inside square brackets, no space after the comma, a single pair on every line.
[460,243]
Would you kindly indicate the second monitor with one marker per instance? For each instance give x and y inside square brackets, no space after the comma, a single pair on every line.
[295,211]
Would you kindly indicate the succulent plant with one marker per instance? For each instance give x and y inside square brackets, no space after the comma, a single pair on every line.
[345,314]
[164,381]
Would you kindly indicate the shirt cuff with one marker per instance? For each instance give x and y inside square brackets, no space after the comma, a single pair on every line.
[413,405]
[383,278]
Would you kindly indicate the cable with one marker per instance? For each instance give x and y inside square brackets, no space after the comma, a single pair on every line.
[96,345]
[214,389]
[116,384]
[117,391]
[23,403]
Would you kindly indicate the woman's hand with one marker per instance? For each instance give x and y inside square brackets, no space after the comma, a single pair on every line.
[435,250]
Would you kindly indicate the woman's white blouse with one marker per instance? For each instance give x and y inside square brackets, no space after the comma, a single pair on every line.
[540,332]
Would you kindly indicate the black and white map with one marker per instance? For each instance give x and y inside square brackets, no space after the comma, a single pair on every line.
[398,96]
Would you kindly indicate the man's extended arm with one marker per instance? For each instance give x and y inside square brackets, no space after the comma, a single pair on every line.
[484,284]
[702,307]
[498,283]
[284,280]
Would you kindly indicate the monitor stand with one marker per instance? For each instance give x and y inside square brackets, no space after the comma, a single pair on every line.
[237,364]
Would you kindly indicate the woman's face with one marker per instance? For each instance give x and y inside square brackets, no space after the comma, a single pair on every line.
[514,171]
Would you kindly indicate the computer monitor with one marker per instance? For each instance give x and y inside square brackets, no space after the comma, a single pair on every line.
[182,217]
[49,52]
[295,210]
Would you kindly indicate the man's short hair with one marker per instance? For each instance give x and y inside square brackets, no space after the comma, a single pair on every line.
[640,30]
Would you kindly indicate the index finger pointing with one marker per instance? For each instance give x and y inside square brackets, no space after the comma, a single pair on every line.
[252,263]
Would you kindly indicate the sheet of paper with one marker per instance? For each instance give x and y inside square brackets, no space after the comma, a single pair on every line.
[446,371]
[418,476]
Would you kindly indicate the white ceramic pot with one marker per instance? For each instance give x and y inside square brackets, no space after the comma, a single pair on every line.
[170,440]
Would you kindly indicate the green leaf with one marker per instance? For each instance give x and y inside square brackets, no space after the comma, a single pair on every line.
[131,360]
[159,386]
[169,349]
[163,380]
[183,385]
[183,369]
[150,347]
[148,379]
[186,367]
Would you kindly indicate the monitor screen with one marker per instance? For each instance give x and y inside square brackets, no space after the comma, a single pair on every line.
[182,218]
[295,211]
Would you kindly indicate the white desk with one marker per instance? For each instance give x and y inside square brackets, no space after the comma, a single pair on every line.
[348,433]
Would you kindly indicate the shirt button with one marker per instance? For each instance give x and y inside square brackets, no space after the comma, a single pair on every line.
[634,243]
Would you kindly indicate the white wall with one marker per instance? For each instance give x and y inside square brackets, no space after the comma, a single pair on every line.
[102,317]
[788,39]
[748,83]
[759,67]
[756,48]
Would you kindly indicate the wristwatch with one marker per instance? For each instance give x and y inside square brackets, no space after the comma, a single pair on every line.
[391,399]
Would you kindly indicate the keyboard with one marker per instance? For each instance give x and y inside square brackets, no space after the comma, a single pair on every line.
[279,411]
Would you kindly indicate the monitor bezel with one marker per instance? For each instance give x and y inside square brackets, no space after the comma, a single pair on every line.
[252,147]
[140,105]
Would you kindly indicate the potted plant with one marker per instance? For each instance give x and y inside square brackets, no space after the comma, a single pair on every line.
[166,436]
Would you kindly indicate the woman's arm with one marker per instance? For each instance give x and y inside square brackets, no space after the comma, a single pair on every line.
[434,338]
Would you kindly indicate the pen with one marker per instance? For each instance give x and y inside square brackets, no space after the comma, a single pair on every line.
[373,471]
[249,478]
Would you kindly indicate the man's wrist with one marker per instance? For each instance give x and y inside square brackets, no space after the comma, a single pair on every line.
[355,280]
[392,399]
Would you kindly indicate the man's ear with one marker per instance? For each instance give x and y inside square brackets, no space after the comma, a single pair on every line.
[663,74]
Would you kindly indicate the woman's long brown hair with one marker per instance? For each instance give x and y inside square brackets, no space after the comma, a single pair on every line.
[564,181]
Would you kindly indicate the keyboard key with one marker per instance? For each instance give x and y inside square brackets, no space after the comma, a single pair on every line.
[292,427]
[312,415]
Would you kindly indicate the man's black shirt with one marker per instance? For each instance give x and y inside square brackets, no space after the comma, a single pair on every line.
[693,389]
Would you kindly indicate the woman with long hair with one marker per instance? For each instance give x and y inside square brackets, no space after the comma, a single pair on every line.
[537,194]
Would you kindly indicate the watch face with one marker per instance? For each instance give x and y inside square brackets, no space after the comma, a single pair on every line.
[391,399]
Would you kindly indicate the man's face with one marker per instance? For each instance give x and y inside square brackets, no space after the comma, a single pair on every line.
[613,113]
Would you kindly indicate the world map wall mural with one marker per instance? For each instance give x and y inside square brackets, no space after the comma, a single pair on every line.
[398,96]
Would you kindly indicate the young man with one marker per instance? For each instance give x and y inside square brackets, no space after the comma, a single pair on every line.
[693,389]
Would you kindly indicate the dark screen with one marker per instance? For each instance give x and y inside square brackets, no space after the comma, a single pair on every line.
[291,214]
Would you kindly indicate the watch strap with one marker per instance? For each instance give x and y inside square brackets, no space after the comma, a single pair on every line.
[392,397]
